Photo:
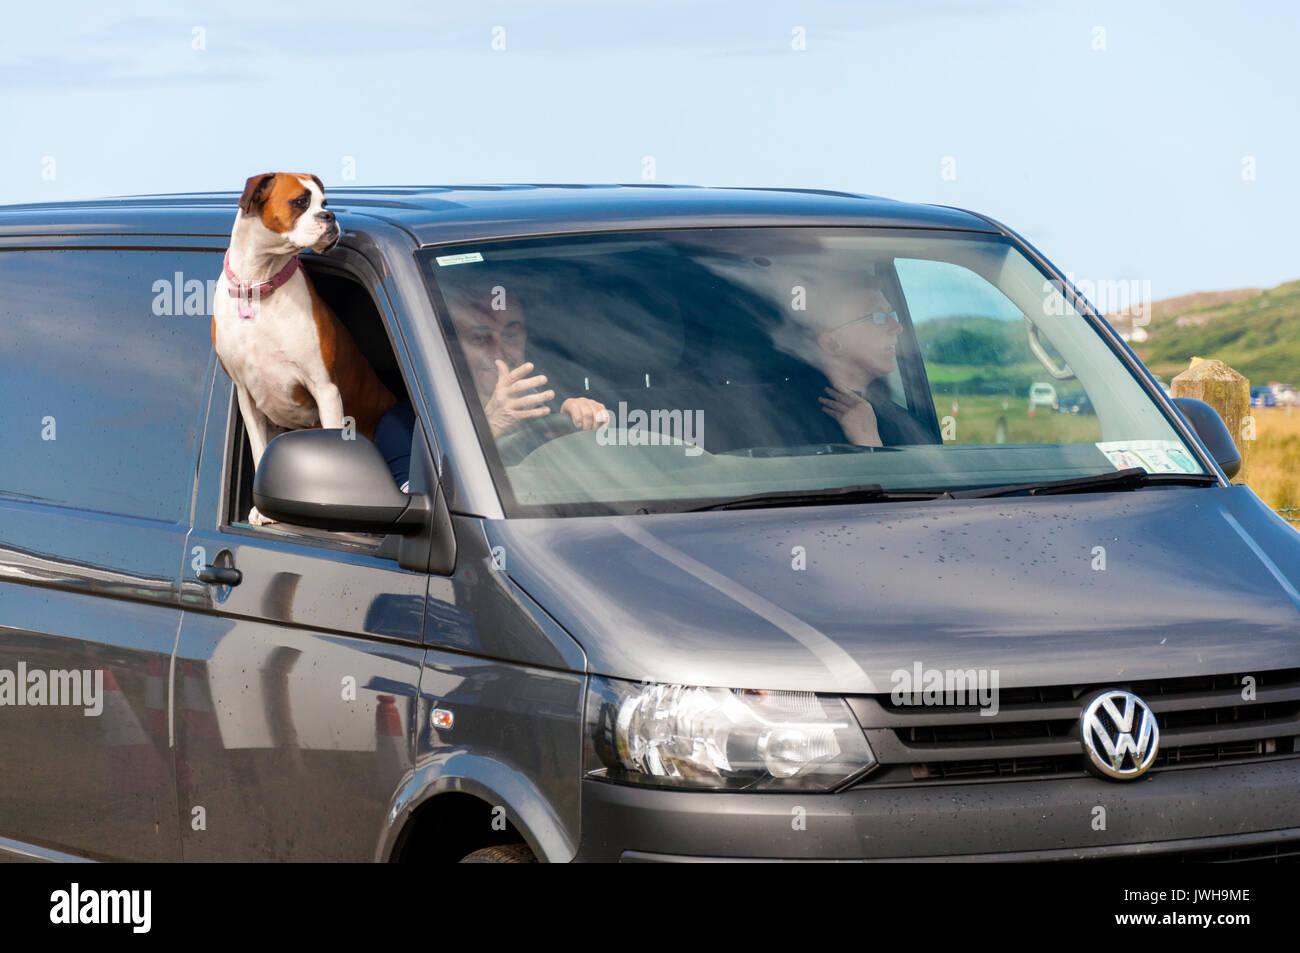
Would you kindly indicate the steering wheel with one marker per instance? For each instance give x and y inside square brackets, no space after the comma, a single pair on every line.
[528,435]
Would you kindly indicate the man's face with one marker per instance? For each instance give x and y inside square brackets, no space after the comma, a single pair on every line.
[489,336]
[871,346]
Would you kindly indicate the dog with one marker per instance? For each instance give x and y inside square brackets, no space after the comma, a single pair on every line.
[294,364]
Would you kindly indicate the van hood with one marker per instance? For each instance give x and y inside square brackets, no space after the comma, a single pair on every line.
[1093,588]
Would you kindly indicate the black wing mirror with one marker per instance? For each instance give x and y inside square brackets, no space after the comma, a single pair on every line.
[1209,426]
[317,478]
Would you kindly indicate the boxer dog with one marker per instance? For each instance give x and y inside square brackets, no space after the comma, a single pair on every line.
[294,364]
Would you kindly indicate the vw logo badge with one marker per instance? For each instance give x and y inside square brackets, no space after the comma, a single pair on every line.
[1119,735]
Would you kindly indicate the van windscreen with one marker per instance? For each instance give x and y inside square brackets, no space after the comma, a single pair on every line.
[653,371]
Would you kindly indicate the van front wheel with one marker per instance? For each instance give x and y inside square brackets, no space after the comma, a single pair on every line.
[501,854]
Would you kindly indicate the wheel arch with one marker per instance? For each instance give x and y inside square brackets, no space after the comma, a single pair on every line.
[443,785]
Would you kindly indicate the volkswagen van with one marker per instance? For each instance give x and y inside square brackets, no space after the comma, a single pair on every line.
[763,558]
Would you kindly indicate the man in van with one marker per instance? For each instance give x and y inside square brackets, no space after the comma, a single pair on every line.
[493,341]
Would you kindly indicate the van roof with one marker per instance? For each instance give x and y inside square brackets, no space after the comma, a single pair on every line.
[442,213]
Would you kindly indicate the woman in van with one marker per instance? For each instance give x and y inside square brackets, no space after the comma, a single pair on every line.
[857,355]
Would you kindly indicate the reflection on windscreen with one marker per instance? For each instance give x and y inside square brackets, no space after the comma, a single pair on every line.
[688,365]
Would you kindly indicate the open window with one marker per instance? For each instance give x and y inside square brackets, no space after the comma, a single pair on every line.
[356,309]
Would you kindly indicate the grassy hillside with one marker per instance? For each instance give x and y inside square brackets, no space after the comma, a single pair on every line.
[1255,332]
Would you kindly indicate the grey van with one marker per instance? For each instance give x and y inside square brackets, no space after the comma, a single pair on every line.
[802,577]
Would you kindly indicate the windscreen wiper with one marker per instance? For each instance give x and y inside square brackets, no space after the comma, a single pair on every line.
[1128,479]
[863,493]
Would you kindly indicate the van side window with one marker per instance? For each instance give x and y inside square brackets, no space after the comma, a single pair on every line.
[355,308]
[105,357]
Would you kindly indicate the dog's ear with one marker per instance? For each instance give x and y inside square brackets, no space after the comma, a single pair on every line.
[319,184]
[256,189]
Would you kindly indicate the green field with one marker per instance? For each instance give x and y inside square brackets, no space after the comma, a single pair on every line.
[976,420]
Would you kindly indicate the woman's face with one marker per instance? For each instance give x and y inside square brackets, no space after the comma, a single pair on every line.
[871,346]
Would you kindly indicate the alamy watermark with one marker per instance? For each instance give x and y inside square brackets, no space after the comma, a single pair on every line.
[76,688]
[74,906]
[1110,297]
[654,428]
[181,296]
[932,686]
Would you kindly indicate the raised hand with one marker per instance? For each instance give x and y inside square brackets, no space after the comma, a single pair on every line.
[855,415]
[511,401]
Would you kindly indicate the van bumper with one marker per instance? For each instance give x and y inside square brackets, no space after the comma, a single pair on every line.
[1246,810]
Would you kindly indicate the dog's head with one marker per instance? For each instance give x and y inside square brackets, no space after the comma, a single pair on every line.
[291,208]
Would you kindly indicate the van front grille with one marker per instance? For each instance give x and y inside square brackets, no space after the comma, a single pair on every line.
[1203,720]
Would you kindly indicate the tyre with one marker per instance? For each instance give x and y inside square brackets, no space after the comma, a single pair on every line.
[501,854]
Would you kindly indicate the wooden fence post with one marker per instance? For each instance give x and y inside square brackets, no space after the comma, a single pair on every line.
[1227,392]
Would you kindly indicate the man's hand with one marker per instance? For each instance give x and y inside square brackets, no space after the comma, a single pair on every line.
[510,401]
[856,416]
[587,414]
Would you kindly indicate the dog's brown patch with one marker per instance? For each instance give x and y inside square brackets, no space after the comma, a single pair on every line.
[256,190]
[365,398]
[271,196]
[214,347]
[278,211]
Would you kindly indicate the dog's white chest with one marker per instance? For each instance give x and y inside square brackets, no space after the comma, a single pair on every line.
[276,354]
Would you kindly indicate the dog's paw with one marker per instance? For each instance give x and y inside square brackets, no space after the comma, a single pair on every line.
[257,519]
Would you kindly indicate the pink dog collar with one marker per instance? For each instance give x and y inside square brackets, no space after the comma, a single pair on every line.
[257,290]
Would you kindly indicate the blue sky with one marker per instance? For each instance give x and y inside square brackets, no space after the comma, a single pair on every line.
[1123,163]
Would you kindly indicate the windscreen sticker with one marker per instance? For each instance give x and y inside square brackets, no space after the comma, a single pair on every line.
[458,259]
[1154,456]
[1122,459]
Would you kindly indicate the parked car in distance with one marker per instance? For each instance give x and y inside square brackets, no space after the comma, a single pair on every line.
[745,599]
[1042,394]
[1073,402]
[1262,397]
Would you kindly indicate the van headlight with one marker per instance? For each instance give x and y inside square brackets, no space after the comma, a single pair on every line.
[683,736]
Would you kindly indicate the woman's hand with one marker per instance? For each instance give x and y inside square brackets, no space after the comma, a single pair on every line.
[510,401]
[855,415]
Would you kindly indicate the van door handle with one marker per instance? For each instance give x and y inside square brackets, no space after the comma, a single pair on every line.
[221,575]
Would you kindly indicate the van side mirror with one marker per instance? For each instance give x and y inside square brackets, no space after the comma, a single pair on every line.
[316,478]
[1209,426]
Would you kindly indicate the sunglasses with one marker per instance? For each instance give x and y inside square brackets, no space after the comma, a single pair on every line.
[878,318]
